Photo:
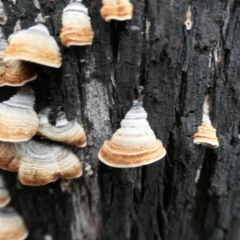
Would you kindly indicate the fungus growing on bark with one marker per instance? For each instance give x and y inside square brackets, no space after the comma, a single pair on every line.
[188,22]
[34,45]
[42,163]
[77,29]
[206,134]
[88,169]
[9,157]
[17,26]
[3,16]
[5,197]
[66,131]
[134,144]
[14,2]
[18,120]
[36,4]
[12,226]
[116,10]
[39,163]
[40,19]
[15,72]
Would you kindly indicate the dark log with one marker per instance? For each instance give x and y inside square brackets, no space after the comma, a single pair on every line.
[194,192]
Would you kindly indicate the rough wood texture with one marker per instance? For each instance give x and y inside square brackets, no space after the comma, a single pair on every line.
[193,193]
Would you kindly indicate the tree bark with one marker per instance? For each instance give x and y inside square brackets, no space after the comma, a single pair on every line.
[194,192]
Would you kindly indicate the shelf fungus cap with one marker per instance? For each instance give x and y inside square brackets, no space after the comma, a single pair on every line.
[14,72]
[18,120]
[34,45]
[9,157]
[69,132]
[5,197]
[116,10]
[12,226]
[42,163]
[77,29]
[134,144]
[188,22]
[206,134]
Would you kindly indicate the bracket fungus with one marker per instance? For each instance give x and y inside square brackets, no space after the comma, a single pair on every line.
[15,72]
[134,144]
[17,26]
[34,45]
[5,197]
[12,226]
[37,4]
[88,169]
[77,29]
[116,10]
[42,163]
[188,22]
[39,163]
[18,120]
[69,132]
[9,157]
[206,134]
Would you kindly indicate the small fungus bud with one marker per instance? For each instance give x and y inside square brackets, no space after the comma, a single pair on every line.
[37,4]
[14,1]
[188,22]
[17,26]
[90,173]
[40,19]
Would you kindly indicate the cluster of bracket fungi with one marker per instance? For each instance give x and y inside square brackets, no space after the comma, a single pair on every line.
[133,145]
[38,163]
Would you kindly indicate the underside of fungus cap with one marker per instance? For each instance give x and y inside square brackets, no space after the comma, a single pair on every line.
[116,10]
[14,73]
[77,29]
[127,157]
[18,120]
[71,36]
[9,157]
[69,132]
[12,226]
[134,144]
[206,135]
[34,45]
[42,163]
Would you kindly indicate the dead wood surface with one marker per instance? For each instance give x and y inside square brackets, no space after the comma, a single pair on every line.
[96,85]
